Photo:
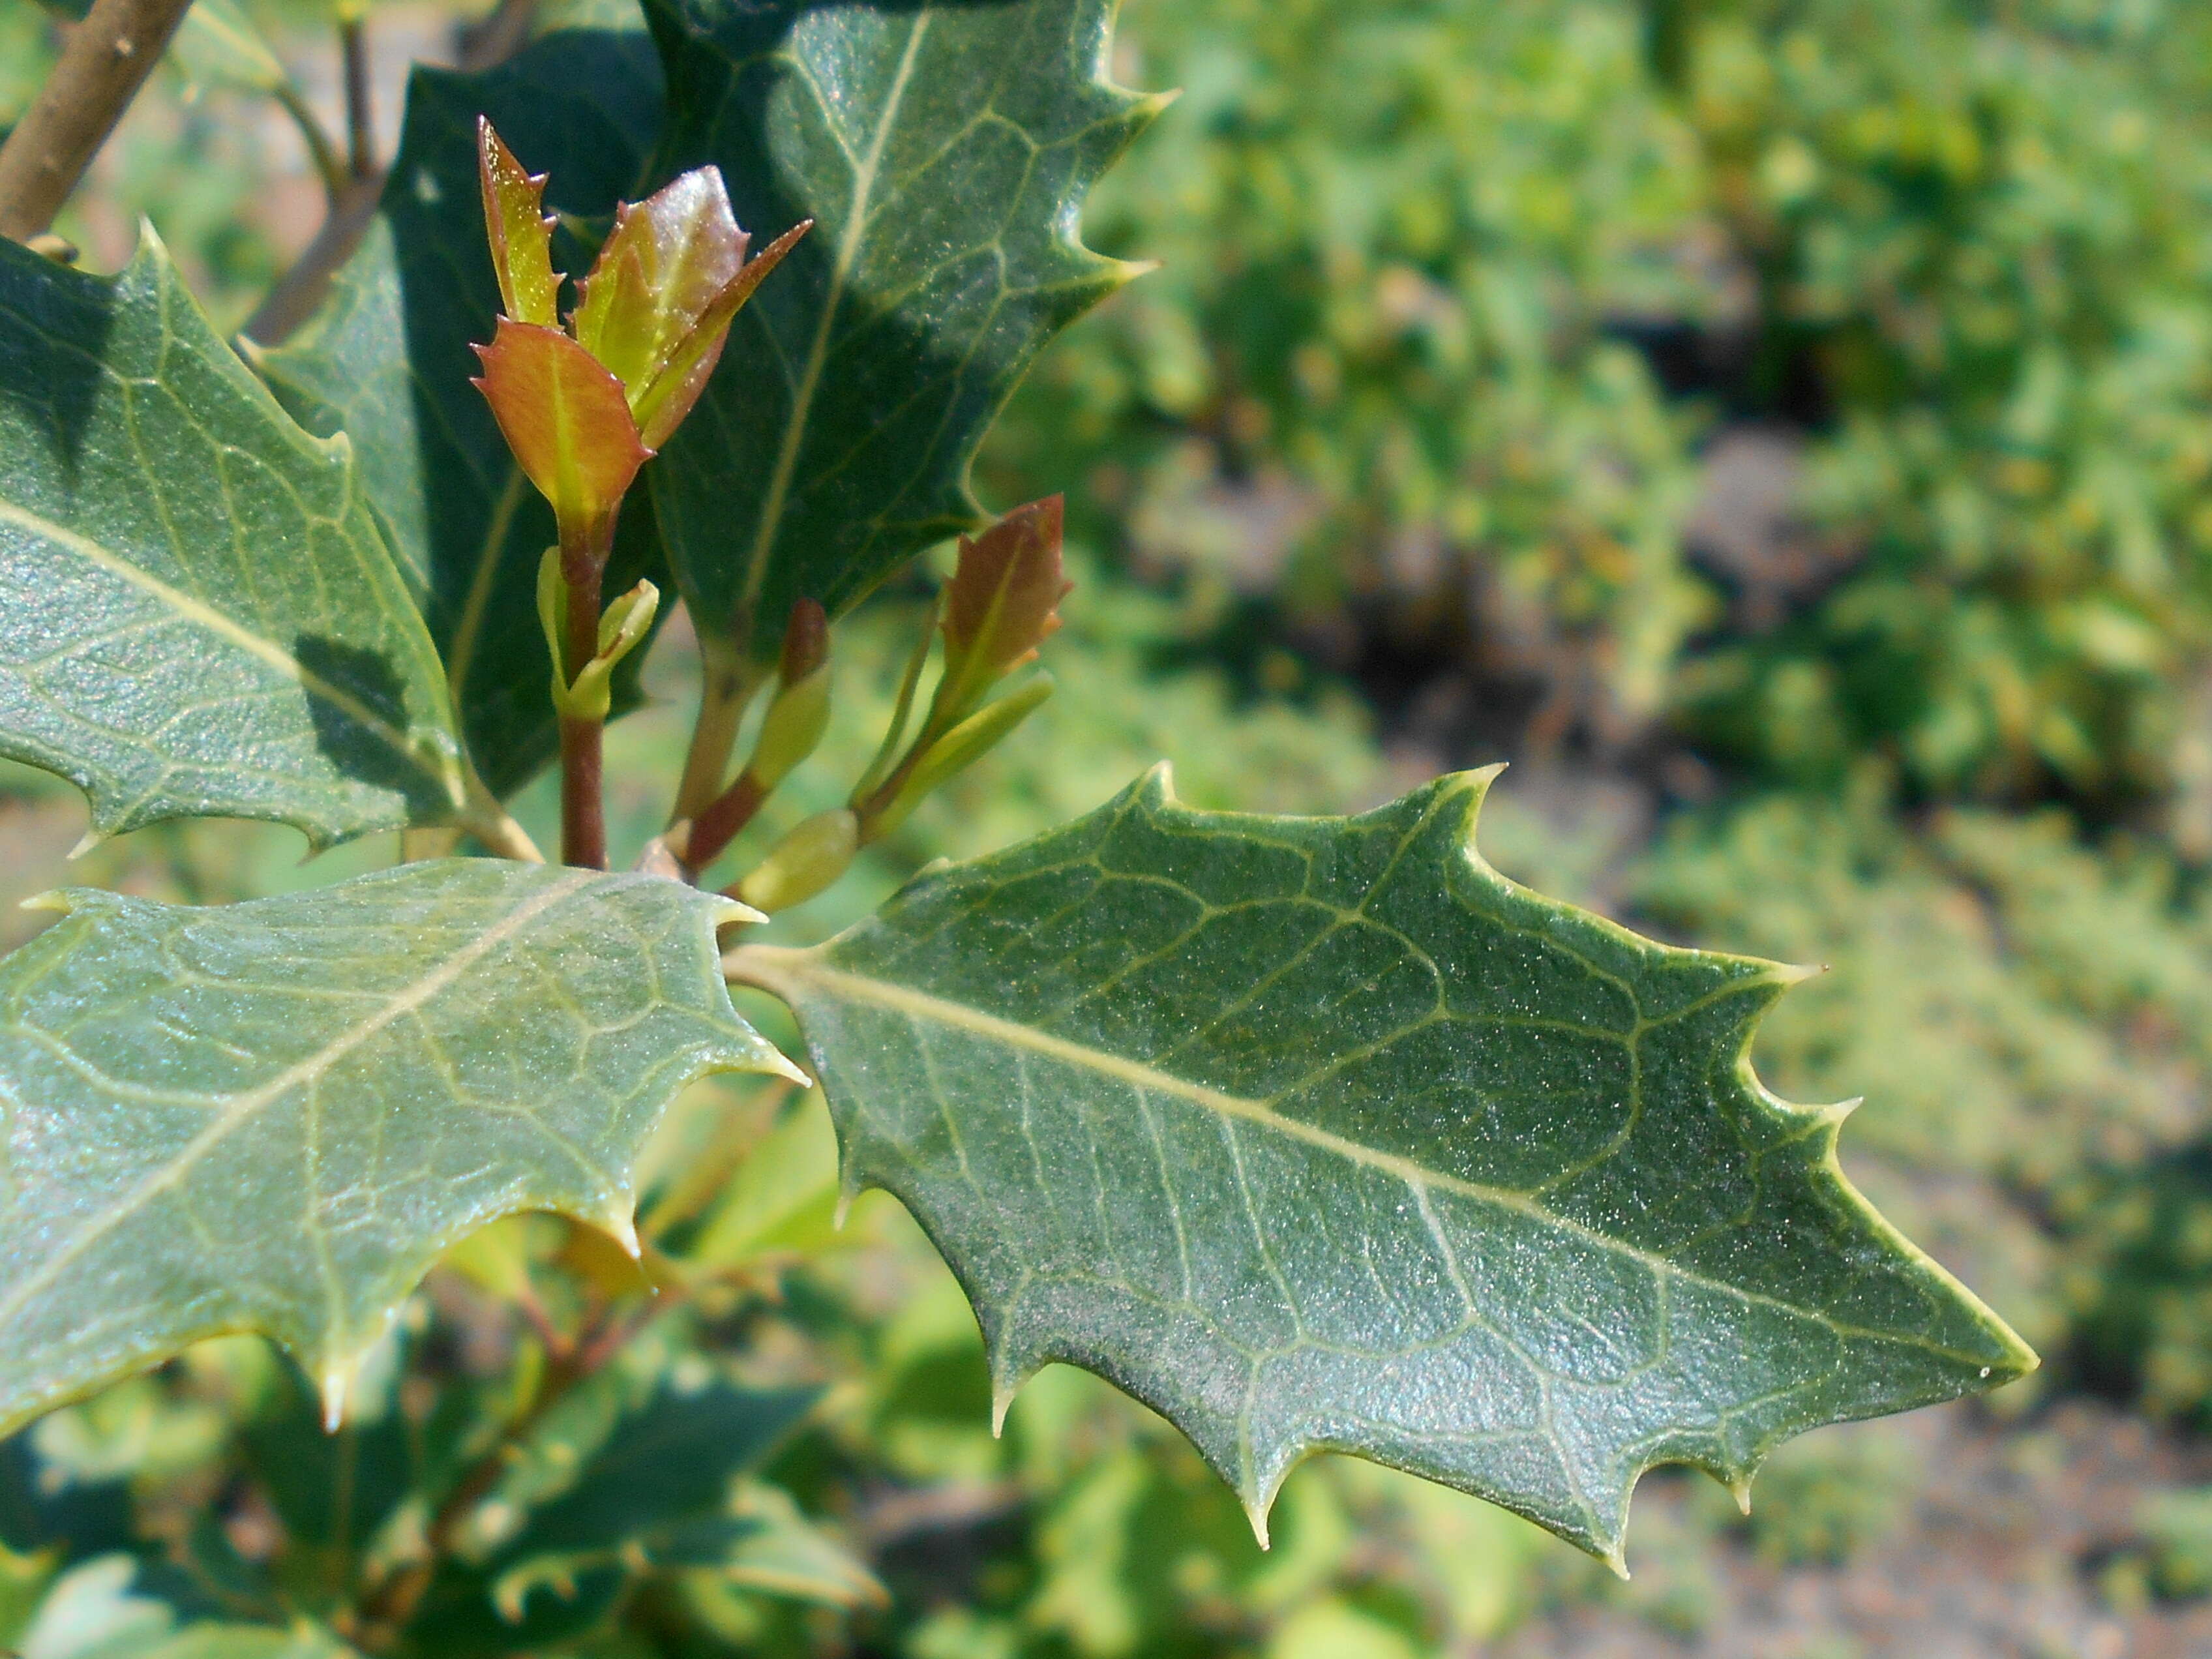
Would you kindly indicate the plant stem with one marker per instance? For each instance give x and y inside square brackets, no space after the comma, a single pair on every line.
[361,114]
[497,37]
[727,686]
[299,290]
[320,150]
[491,824]
[106,59]
[726,815]
[583,807]
[583,551]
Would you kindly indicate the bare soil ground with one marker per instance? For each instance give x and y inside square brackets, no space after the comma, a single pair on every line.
[2007,1553]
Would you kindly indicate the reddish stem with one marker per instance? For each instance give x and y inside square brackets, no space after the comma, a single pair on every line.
[583,805]
[726,815]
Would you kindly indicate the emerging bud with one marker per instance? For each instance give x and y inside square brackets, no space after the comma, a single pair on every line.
[622,626]
[584,409]
[959,749]
[799,712]
[810,857]
[1002,602]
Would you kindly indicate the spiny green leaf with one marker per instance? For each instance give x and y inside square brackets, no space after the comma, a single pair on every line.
[1316,1133]
[387,360]
[944,151]
[202,616]
[272,1116]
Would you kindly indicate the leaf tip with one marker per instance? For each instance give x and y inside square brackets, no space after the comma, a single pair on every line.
[1616,1558]
[337,1384]
[1255,1511]
[87,842]
[619,1222]
[60,900]
[1740,1489]
[1002,1400]
[727,912]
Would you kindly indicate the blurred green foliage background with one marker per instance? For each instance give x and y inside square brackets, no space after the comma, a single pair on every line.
[1784,427]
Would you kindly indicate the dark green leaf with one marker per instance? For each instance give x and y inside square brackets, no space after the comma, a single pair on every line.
[619,1481]
[388,362]
[1315,1134]
[274,1116]
[944,151]
[201,616]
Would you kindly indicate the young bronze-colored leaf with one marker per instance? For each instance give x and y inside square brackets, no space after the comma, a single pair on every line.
[1316,1133]
[200,615]
[660,267]
[273,1116]
[565,418]
[944,151]
[387,360]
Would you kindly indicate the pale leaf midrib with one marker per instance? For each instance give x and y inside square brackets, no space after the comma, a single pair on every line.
[244,1106]
[841,270]
[203,616]
[775,969]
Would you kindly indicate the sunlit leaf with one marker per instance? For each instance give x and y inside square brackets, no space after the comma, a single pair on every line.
[274,1116]
[944,151]
[202,617]
[1316,1133]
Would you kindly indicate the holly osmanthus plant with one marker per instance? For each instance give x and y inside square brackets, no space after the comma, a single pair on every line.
[1313,1133]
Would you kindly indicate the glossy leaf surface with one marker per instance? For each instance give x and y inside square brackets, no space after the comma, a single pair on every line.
[274,1116]
[944,151]
[565,418]
[660,267]
[202,616]
[520,233]
[1317,1133]
[388,362]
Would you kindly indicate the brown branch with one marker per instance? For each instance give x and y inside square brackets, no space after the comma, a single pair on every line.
[361,111]
[299,290]
[106,59]
[496,38]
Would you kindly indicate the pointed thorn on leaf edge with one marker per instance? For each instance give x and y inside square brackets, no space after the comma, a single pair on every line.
[1255,1511]
[336,1382]
[1740,1489]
